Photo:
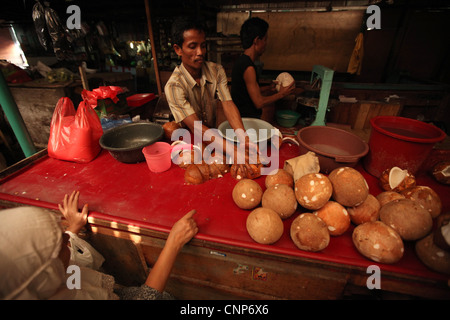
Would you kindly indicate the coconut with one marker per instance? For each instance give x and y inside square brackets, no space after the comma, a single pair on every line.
[408,218]
[388,196]
[369,210]
[441,172]
[313,190]
[281,199]
[309,232]
[280,176]
[396,179]
[264,226]
[426,197]
[247,194]
[432,256]
[378,242]
[335,216]
[284,79]
[350,188]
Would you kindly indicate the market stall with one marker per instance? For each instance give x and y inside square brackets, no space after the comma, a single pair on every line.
[133,209]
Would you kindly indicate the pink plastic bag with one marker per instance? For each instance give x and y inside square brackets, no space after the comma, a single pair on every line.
[74,135]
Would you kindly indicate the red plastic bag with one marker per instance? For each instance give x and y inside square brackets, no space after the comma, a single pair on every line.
[104,92]
[74,136]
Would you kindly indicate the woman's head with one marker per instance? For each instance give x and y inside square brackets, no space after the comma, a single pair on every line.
[30,246]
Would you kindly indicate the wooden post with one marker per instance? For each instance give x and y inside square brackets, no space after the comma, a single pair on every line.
[152,43]
[84,80]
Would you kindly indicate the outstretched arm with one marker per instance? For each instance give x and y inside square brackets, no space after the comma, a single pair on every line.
[182,231]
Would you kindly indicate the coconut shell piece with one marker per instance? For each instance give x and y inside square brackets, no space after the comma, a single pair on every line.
[396,179]
[441,172]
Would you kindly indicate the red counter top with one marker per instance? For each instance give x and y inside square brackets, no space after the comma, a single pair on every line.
[131,194]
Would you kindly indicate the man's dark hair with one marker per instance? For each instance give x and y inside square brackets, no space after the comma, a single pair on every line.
[253,28]
[182,24]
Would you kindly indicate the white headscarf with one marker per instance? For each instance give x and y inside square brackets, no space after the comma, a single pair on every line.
[30,242]
[30,269]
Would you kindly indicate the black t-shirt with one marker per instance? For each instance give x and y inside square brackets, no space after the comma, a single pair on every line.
[239,91]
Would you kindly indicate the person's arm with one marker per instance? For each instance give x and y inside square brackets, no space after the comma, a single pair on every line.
[228,147]
[233,116]
[254,90]
[182,232]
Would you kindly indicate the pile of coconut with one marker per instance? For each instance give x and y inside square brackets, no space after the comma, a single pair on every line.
[402,212]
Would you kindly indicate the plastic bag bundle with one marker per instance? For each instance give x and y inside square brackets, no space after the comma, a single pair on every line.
[58,35]
[74,135]
[103,92]
[38,15]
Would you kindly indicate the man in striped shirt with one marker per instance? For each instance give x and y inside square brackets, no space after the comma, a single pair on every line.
[195,85]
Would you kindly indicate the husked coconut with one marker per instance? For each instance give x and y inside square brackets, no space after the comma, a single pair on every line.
[369,210]
[247,194]
[441,172]
[350,188]
[309,232]
[264,226]
[281,176]
[388,196]
[408,218]
[378,242]
[281,199]
[442,233]
[313,190]
[426,197]
[335,216]
[432,256]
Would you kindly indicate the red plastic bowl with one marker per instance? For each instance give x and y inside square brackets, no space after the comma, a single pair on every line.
[140,99]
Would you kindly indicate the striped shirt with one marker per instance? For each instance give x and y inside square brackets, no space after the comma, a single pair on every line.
[186,97]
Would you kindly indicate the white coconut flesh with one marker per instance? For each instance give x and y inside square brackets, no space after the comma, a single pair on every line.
[396,176]
[446,172]
[284,79]
[446,233]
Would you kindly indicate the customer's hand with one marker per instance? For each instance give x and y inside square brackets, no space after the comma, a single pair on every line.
[182,231]
[69,208]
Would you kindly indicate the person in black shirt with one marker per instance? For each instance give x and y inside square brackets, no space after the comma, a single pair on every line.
[245,90]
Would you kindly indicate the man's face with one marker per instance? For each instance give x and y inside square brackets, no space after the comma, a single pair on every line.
[261,44]
[193,50]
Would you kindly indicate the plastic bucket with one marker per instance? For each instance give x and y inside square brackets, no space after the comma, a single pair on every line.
[159,155]
[399,142]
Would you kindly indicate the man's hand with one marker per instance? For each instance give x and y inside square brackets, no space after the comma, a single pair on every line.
[288,90]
